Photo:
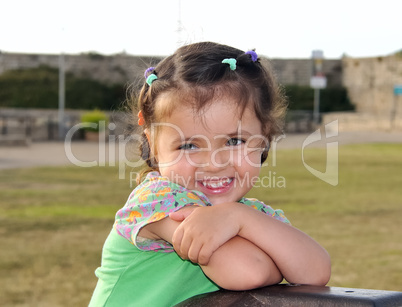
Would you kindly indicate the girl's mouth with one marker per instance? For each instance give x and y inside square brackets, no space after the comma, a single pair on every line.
[219,185]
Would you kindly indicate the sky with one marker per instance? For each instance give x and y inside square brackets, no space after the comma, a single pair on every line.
[276,29]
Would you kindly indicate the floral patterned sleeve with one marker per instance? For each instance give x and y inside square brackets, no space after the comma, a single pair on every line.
[150,202]
[259,205]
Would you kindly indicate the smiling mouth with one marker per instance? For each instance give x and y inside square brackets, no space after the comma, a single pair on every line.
[216,184]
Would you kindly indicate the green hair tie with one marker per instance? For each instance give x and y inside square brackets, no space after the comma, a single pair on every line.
[151,78]
[231,62]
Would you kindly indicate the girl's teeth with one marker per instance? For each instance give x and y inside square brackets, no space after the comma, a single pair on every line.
[217,184]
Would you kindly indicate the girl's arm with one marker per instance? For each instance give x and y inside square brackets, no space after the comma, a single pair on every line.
[240,265]
[298,257]
[237,264]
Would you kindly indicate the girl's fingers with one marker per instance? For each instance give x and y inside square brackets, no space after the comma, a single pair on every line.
[204,254]
[178,216]
[181,214]
[185,246]
[177,238]
[194,251]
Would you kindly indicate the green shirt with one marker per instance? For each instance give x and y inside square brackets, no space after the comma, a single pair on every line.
[132,277]
[147,272]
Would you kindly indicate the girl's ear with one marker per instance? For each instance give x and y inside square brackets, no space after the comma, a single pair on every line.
[146,132]
[148,135]
[264,155]
[265,151]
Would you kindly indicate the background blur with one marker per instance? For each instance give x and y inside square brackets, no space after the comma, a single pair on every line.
[68,65]
[83,55]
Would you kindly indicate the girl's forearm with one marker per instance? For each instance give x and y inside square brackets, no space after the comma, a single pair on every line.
[299,258]
[240,265]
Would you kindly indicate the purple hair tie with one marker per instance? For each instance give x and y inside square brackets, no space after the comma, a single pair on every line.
[254,56]
[148,71]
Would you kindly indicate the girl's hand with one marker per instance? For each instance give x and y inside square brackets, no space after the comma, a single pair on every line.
[180,215]
[203,230]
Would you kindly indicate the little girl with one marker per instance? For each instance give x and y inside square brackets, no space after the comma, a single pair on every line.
[207,114]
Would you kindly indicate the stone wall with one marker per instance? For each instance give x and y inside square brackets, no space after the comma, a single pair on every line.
[370,82]
[120,68]
[299,71]
[356,121]
[123,68]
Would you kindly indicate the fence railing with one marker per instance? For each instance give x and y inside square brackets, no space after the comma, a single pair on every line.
[15,129]
[23,126]
[298,296]
[299,122]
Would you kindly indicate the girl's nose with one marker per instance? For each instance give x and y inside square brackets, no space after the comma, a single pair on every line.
[218,159]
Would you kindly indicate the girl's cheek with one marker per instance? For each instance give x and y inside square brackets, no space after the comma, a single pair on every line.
[195,160]
[252,159]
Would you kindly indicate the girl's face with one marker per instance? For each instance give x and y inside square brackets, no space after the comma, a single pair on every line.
[217,152]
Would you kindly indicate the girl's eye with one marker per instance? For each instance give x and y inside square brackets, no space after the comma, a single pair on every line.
[188,146]
[234,142]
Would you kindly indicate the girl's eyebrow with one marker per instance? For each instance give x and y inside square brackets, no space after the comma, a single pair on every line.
[196,137]
[237,132]
[179,140]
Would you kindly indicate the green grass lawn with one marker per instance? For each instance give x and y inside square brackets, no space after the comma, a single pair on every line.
[53,221]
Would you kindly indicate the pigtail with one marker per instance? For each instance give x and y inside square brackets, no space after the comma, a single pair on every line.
[146,155]
[145,150]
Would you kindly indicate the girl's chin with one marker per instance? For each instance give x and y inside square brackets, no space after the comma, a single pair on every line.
[217,201]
